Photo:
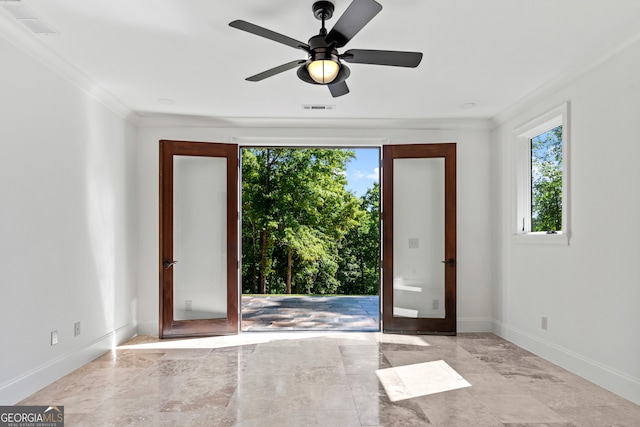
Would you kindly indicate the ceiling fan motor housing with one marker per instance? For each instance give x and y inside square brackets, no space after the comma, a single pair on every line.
[321,51]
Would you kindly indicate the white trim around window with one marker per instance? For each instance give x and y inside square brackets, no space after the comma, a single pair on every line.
[522,158]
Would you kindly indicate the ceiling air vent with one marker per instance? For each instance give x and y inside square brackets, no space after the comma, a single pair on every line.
[319,107]
[27,17]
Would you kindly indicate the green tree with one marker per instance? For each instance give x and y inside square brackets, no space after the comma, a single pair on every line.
[359,271]
[546,181]
[259,216]
[296,210]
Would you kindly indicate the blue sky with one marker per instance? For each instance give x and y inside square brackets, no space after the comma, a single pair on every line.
[362,171]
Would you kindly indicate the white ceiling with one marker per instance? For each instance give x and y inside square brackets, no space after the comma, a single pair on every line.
[491,53]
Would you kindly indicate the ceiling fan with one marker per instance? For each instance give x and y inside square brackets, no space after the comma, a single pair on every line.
[324,64]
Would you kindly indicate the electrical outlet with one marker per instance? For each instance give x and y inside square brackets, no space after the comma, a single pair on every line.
[54,337]
[76,329]
[435,304]
[544,323]
[188,305]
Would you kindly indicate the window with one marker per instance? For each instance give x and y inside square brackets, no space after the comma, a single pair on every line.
[542,190]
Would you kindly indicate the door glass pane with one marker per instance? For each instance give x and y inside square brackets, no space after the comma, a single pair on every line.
[200,237]
[418,238]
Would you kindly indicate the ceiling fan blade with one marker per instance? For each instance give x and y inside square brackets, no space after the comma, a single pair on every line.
[268,34]
[382,57]
[357,15]
[338,89]
[276,70]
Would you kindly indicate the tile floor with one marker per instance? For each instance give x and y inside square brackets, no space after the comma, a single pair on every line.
[330,379]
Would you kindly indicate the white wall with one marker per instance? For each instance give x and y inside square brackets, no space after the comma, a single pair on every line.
[474,238]
[590,290]
[67,225]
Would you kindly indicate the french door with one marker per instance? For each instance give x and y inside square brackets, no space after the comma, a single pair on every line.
[199,259]
[198,239]
[419,238]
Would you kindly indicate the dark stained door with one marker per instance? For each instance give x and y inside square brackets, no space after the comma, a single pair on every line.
[419,238]
[198,260]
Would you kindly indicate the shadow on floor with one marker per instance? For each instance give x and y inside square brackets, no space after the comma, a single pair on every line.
[310,313]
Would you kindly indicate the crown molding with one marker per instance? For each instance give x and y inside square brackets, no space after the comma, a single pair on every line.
[29,43]
[175,120]
[563,80]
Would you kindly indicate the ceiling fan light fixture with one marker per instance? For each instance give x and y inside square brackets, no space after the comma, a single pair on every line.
[324,65]
[323,71]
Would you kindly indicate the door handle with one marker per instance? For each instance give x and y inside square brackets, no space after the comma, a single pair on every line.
[167,264]
[451,262]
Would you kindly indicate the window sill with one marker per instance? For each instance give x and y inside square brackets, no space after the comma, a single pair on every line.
[542,238]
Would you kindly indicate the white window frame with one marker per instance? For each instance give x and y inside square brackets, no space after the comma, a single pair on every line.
[558,116]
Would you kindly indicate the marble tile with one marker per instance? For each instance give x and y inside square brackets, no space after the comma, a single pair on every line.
[128,359]
[153,386]
[323,375]
[354,365]
[366,385]
[312,396]
[201,393]
[421,379]
[186,353]
[598,416]
[266,388]
[220,364]
[80,401]
[416,340]
[278,364]
[327,418]
[519,408]
[382,412]
[257,416]
[466,363]
[318,356]
[540,425]
[363,359]
[490,384]
[129,406]
[146,420]
[457,408]
[326,379]
[370,350]
[202,401]
[170,368]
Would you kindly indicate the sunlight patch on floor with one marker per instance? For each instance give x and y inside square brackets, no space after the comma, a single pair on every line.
[148,343]
[415,340]
[407,382]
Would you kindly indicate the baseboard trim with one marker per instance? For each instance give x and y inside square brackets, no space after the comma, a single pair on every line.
[475,324]
[28,383]
[589,369]
[148,328]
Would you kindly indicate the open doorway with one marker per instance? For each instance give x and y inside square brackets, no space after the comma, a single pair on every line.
[199,228]
[310,239]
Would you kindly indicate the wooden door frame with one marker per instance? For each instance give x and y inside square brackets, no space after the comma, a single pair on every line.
[446,326]
[168,327]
